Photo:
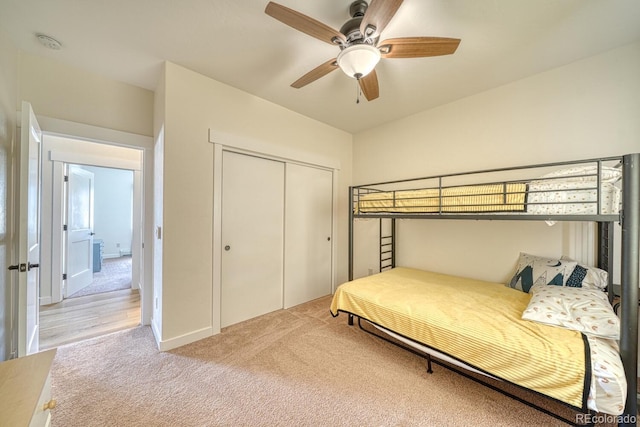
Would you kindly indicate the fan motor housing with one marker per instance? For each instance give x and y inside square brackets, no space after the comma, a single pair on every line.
[351,28]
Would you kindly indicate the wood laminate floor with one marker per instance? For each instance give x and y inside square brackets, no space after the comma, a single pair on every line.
[80,318]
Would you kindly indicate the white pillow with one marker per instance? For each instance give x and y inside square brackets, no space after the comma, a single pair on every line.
[532,270]
[576,173]
[583,310]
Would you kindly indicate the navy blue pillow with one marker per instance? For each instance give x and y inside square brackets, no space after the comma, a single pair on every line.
[577,276]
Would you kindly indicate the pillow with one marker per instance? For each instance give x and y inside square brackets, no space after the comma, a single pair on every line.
[533,269]
[576,173]
[583,310]
[587,277]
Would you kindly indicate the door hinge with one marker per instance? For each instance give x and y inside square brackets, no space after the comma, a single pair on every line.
[66,178]
[64,276]
[64,227]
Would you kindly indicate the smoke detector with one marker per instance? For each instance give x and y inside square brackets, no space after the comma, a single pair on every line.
[49,42]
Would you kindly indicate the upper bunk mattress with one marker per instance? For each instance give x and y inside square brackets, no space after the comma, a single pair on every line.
[464,199]
[476,322]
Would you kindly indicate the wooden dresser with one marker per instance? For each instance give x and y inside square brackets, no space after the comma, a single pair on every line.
[25,391]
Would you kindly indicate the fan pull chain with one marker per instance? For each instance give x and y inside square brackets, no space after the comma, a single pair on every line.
[358,91]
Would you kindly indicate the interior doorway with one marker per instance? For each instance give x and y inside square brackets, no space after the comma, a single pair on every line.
[99,239]
[93,220]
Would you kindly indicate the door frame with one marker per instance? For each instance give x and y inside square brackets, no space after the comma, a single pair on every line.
[143,186]
[62,158]
[241,145]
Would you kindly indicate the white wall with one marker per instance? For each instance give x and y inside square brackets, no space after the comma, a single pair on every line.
[586,109]
[113,209]
[193,104]
[8,100]
[63,92]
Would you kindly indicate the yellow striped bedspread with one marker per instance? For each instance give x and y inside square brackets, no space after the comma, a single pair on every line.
[477,322]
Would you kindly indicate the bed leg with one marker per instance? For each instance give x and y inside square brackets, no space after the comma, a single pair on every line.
[350,320]
[429,370]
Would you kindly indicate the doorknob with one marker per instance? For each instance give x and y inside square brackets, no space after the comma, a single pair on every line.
[227,248]
[30,266]
[21,267]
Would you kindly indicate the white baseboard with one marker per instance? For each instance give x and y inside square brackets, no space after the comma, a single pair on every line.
[119,254]
[156,332]
[181,340]
[109,256]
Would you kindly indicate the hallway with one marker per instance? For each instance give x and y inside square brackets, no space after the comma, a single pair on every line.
[76,319]
[107,305]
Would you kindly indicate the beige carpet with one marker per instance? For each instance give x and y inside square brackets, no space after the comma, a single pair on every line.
[115,275]
[296,367]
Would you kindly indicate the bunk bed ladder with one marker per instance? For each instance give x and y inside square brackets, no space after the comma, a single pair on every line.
[605,254]
[387,235]
[350,235]
[387,244]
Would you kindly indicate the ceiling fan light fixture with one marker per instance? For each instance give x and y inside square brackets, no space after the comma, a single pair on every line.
[358,60]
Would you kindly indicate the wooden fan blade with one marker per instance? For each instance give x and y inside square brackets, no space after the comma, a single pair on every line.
[378,14]
[303,23]
[369,86]
[316,73]
[417,47]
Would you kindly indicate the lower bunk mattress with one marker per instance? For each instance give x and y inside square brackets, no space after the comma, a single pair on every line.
[479,325]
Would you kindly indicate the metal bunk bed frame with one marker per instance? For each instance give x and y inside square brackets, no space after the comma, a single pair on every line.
[629,218]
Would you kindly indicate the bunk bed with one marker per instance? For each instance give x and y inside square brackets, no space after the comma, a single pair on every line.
[459,321]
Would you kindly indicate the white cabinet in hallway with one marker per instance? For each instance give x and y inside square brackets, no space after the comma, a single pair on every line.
[25,390]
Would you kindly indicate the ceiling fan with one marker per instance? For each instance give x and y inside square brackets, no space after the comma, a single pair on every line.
[358,42]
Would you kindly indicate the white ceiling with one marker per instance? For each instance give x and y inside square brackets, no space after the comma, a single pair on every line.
[235,42]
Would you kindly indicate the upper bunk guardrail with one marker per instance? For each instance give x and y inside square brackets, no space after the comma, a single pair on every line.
[584,190]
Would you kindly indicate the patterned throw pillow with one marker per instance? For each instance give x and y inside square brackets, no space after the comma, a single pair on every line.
[533,270]
[577,276]
[588,277]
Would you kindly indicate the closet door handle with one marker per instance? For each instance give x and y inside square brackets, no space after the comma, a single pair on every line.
[227,248]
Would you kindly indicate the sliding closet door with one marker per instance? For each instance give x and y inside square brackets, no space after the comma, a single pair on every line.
[308,226]
[252,237]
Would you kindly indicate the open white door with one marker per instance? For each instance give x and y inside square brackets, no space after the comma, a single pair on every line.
[79,247]
[28,211]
